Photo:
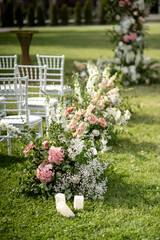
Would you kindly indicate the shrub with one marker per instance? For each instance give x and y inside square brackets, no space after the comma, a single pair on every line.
[103,12]
[64,14]
[40,16]
[77,13]
[87,11]
[54,15]
[19,16]
[7,19]
[30,15]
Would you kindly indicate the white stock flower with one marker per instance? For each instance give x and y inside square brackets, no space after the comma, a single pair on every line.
[76,147]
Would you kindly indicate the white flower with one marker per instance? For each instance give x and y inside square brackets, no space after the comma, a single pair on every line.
[75,148]
[127,115]
[96,132]
[125,69]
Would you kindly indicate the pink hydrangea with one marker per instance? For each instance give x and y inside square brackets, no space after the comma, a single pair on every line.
[56,155]
[45,172]
[29,147]
[92,119]
[102,122]
[45,144]
[69,110]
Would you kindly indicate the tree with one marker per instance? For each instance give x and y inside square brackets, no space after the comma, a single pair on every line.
[64,14]
[77,13]
[54,15]
[30,15]
[40,16]
[7,19]
[87,10]
[19,16]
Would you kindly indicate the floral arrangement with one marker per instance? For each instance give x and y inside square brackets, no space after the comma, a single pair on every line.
[101,106]
[67,159]
[63,164]
[129,38]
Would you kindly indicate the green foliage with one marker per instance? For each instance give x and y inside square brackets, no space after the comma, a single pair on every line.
[54,15]
[87,11]
[64,14]
[19,16]
[7,18]
[30,15]
[77,13]
[40,16]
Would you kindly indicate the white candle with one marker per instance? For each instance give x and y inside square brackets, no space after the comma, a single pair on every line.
[63,209]
[79,202]
[60,197]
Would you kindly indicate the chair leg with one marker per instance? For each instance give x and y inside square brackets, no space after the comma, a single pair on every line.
[9,146]
[40,129]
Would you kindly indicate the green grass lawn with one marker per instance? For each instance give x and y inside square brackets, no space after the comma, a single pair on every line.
[131,208]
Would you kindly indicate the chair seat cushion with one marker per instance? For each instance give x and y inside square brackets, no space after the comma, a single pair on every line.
[58,88]
[20,119]
[41,101]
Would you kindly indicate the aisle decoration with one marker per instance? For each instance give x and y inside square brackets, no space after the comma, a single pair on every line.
[101,106]
[62,163]
[67,160]
[128,36]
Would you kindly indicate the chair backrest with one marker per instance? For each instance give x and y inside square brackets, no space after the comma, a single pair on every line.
[55,68]
[36,78]
[15,91]
[7,64]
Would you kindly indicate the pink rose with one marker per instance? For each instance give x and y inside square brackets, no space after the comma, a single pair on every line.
[126,38]
[128,2]
[45,144]
[56,155]
[102,122]
[122,3]
[29,147]
[44,172]
[133,36]
[135,13]
[69,110]
[141,19]
[92,119]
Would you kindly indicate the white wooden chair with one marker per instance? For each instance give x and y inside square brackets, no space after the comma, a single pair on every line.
[7,65]
[55,76]
[36,86]
[7,69]
[15,91]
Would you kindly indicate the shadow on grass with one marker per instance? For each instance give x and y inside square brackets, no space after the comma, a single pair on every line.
[126,145]
[7,161]
[121,193]
[144,119]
